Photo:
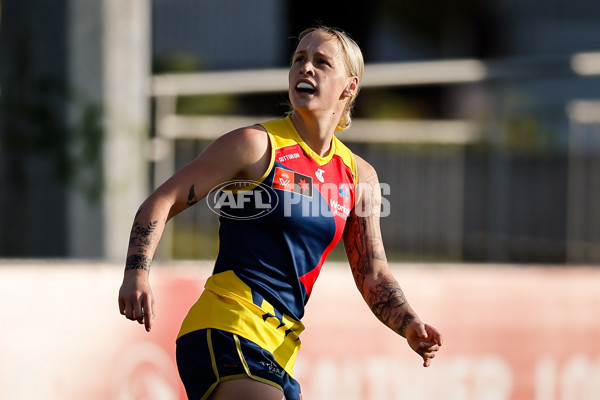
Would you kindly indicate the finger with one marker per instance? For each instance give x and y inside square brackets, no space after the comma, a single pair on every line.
[426,347]
[148,313]
[427,353]
[422,331]
[429,347]
[138,312]
[427,359]
[129,310]
[148,322]
[121,306]
[435,334]
[439,339]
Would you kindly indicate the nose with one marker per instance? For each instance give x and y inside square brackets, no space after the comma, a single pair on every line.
[307,68]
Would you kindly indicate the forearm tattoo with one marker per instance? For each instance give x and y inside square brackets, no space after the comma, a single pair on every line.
[138,261]
[143,237]
[387,302]
[364,246]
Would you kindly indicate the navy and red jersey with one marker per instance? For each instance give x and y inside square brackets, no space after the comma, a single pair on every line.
[274,236]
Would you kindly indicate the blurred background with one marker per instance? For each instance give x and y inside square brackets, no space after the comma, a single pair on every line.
[482,116]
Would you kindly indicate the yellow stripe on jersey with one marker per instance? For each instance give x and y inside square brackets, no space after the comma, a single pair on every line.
[346,155]
[226,304]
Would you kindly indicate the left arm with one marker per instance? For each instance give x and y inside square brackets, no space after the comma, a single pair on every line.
[372,275]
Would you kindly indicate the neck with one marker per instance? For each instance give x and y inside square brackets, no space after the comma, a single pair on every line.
[316,133]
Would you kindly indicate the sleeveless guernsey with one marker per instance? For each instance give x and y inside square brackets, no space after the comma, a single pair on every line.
[273,239]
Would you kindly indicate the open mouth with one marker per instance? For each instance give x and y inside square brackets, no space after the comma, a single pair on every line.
[306,88]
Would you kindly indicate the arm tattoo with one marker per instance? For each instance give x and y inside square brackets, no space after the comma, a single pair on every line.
[192,198]
[364,246]
[142,236]
[406,320]
[386,300]
[363,239]
[138,261]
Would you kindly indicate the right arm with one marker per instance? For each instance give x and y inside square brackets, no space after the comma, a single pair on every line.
[374,279]
[241,154]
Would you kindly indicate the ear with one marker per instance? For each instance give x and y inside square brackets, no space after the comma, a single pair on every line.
[352,87]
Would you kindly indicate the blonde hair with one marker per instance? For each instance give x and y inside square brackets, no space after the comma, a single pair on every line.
[355,66]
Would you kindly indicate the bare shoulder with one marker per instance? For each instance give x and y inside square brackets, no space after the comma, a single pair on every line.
[248,143]
[249,140]
[365,171]
[248,148]
[249,133]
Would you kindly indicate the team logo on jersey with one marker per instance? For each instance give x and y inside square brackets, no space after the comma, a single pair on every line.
[319,175]
[292,182]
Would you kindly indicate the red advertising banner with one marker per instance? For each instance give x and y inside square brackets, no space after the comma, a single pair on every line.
[510,332]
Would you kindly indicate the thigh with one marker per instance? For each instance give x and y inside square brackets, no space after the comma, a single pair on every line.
[195,365]
[221,364]
[246,389]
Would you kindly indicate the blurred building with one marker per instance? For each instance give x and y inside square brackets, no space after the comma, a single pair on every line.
[514,194]
[73,123]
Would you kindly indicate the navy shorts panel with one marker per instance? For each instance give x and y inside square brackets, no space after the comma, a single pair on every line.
[209,356]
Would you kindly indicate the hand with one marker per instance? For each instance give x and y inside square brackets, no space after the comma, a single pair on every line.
[136,301]
[424,339]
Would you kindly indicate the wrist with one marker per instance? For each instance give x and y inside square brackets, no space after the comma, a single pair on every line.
[408,319]
[138,262]
[135,277]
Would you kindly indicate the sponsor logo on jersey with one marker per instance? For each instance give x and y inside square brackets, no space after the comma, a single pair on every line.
[292,182]
[319,175]
[339,209]
[344,192]
[288,157]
